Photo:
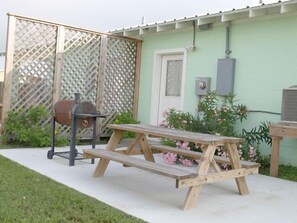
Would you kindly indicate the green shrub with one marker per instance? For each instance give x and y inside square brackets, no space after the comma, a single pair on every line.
[25,129]
[258,134]
[125,118]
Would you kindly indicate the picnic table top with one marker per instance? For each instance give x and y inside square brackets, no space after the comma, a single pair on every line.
[176,134]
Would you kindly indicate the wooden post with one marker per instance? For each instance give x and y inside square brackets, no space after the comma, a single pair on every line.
[274,156]
[58,63]
[278,132]
[100,79]
[8,72]
[101,73]
[137,79]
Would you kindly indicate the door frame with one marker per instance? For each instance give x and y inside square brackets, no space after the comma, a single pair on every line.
[156,82]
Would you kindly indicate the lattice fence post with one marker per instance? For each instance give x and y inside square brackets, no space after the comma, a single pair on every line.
[58,64]
[101,78]
[137,79]
[8,67]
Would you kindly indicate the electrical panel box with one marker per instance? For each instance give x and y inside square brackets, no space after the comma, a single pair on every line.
[225,76]
[202,85]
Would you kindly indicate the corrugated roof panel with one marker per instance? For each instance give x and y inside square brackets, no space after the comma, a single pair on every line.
[231,15]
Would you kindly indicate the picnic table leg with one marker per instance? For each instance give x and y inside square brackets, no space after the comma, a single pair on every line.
[147,152]
[112,143]
[235,163]
[203,167]
[133,143]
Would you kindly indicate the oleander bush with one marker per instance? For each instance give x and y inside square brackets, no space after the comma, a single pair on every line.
[216,116]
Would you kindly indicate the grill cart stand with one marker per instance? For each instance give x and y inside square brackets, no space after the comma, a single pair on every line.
[77,115]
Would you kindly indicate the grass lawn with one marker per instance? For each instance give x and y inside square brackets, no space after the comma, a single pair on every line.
[287,172]
[27,196]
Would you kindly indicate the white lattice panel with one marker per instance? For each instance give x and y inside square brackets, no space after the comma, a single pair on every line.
[119,75]
[33,65]
[35,69]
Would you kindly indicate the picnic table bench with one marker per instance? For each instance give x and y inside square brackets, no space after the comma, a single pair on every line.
[185,177]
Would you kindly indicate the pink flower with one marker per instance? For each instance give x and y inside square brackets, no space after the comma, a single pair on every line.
[185,162]
[240,152]
[165,113]
[164,123]
[224,166]
[170,158]
[183,145]
[252,153]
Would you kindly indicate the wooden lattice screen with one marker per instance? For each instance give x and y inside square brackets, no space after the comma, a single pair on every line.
[46,62]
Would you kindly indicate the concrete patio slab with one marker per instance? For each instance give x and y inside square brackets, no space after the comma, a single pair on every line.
[154,198]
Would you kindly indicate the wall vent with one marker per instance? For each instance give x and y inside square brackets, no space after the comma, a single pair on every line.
[289,105]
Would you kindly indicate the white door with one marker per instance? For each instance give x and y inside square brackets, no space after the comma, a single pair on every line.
[171,79]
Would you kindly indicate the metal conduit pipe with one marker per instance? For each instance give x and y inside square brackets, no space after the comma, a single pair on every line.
[267,112]
[227,50]
[194,35]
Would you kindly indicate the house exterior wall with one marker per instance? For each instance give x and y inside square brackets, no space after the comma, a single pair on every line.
[265,52]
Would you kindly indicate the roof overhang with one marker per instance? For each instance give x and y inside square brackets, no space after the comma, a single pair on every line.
[205,21]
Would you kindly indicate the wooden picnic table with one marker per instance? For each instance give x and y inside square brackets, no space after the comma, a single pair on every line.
[184,177]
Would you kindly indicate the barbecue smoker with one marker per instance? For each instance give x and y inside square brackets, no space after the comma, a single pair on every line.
[76,114]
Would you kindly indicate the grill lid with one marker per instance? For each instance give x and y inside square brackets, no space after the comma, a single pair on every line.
[64,109]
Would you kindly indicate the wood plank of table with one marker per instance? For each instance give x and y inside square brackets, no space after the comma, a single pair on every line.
[159,168]
[235,163]
[274,156]
[278,132]
[198,155]
[215,177]
[285,131]
[203,168]
[103,163]
[176,134]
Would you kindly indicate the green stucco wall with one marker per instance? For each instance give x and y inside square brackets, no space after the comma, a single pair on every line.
[265,50]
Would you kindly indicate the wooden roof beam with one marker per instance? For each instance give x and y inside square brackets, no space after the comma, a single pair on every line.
[164,27]
[207,20]
[181,25]
[257,12]
[147,30]
[289,8]
[229,17]
[131,32]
